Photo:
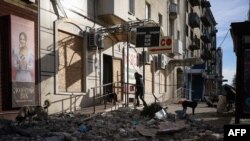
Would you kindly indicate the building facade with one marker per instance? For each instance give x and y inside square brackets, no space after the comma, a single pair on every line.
[86,48]
[200,78]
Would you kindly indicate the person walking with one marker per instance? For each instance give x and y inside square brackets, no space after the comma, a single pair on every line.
[139,89]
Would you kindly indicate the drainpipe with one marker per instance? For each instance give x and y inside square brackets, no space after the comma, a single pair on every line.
[128,45]
[39,56]
[191,80]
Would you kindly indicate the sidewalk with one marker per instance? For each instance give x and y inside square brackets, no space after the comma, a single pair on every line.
[207,114]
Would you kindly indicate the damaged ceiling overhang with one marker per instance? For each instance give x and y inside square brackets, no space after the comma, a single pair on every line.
[126,32]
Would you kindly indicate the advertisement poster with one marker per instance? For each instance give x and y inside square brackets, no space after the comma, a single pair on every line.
[22,61]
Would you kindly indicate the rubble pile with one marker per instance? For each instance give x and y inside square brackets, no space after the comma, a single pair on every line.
[150,111]
[124,124]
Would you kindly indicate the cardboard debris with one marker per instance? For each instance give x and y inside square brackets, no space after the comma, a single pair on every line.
[169,128]
[145,131]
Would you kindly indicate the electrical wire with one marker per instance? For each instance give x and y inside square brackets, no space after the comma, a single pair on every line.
[224,38]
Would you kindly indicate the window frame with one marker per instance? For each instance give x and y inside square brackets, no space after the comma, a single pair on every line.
[131,7]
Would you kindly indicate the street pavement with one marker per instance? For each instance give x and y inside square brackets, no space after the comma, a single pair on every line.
[123,124]
[203,112]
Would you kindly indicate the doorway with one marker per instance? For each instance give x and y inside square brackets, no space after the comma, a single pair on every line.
[107,72]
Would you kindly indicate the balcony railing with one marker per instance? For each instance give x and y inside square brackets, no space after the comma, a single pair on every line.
[195,44]
[206,38]
[173,11]
[194,2]
[206,54]
[194,20]
[205,3]
[213,33]
[206,19]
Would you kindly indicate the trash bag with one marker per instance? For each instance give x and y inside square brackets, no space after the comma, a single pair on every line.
[84,129]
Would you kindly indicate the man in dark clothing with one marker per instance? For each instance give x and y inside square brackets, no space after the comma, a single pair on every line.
[139,89]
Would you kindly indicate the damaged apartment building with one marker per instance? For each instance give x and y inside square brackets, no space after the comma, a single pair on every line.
[78,50]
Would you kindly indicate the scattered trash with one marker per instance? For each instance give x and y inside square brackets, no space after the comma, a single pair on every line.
[121,124]
[151,121]
[161,114]
[150,111]
[181,114]
[148,132]
[169,128]
[123,132]
[84,129]
[135,122]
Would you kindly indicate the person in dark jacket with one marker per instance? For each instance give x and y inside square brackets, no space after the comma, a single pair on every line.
[139,89]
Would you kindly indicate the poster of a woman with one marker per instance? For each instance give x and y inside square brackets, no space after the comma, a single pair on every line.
[22,50]
[22,61]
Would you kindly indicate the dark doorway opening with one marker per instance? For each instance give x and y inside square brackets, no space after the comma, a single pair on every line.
[197,87]
[107,72]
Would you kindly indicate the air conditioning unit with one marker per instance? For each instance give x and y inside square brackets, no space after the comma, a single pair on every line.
[95,40]
[145,57]
[161,61]
[92,41]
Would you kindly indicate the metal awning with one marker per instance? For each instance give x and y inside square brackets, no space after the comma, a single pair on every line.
[119,32]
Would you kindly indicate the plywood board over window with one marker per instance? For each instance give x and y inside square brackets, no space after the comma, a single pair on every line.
[117,77]
[70,63]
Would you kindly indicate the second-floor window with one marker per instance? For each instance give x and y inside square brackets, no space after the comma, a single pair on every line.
[131,6]
[160,19]
[186,30]
[187,6]
[147,11]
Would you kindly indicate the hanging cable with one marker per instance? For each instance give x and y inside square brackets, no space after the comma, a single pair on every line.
[224,38]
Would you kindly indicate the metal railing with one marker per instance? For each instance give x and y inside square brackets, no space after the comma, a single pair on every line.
[107,89]
[180,92]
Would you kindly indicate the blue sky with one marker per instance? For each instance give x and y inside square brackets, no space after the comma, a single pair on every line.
[226,12]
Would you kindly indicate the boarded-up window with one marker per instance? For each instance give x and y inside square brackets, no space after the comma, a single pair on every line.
[70,69]
[117,77]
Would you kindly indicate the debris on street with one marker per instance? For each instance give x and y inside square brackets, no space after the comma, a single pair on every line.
[124,124]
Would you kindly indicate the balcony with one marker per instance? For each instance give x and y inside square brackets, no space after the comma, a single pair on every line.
[206,19]
[213,33]
[205,4]
[213,48]
[206,55]
[194,2]
[110,11]
[195,44]
[194,20]
[173,11]
[206,38]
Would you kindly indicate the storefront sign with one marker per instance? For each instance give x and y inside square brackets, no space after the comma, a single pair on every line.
[147,36]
